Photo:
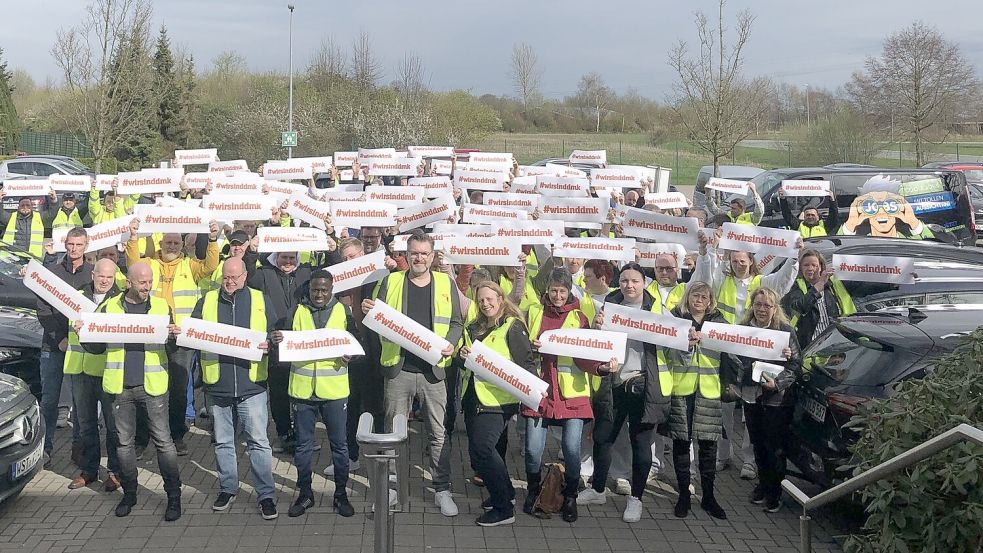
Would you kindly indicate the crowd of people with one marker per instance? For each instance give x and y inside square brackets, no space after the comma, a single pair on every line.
[696,403]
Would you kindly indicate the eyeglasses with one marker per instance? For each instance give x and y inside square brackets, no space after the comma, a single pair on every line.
[232,277]
[871,207]
[420,254]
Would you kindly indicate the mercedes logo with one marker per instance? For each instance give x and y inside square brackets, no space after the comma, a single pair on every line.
[27,430]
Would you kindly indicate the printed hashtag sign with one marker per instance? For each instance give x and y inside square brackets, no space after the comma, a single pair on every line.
[759,240]
[875,268]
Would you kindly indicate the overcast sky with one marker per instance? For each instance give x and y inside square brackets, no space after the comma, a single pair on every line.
[468,45]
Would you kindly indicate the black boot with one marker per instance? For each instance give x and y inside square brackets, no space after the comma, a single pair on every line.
[707,459]
[680,461]
[534,482]
[173,510]
[126,504]
[568,511]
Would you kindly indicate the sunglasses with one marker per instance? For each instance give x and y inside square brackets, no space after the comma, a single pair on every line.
[871,207]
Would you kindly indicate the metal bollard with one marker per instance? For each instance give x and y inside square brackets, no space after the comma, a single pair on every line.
[386,449]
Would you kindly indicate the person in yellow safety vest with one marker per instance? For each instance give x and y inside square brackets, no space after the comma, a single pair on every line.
[665,287]
[23,228]
[567,403]
[236,388]
[67,216]
[176,279]
[637,392]
[737,212]
[85,370]
[811,224]
[695,408]
[136,376]
[112,253]
[518,286]
[319,387]
[575,266]
[817,298]
[428,298]
[487,407]
[238,244]
[110,206]
[598,274]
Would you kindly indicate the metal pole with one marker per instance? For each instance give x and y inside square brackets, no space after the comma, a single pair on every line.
[805,533]
[957,151]
[290,101]
[808,110]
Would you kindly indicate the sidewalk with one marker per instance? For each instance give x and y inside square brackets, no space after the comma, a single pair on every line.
[51,518]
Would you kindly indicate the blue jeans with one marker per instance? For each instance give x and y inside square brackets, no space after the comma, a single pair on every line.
[251,412]
[536,431]
[52,372]
[125,407]
[334,413]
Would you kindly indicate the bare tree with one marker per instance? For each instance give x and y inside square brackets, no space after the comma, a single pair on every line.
[107,74]
[920,79]
[594,95]
[411,78]
[526,74]
[712,100]
[327,65]
[365,66]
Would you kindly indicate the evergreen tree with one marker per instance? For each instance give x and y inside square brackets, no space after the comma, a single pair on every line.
[168,92]
[189,105]
[9,122]
[143,149]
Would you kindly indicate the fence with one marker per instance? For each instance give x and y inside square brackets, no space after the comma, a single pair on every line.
[53,144]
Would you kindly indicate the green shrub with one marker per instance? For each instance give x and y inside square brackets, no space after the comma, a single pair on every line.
[935,506]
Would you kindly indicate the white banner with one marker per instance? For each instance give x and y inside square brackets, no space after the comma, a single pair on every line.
[622,176]
[574,210]
[794,187]
[437,209]
[488,157]
[430,151]
[511,378]
[255,207]
[291,239]
[532,232]
[237,183]
[474,213]
[109,234]
[477,180]
[611,249]
[363,214]
[433,186]
[525,202]
[749,341]
[728,186]
[58,237]
[565,171]
[70,183]
[114,328]
[441,166]
[399,196]
[283,190]
[535,170]
[27,187]
[233,166]
[396,167]
[662,228]
[760,368]
[304,208]
[198,181]
[584,343]
[874,268]
[405,332]
[597,157]
[339,194]
[368,155]
[466,231]
[174,219]
[523,185]
[55,291]
[503,168]
[320,164]
[170,201]
[221,339]
[755,239]
[345,159]
[652,328]
[149,181]
[202,156]
[356,272]
[563,187]
[315,345]
[482,251]
[669,200]
[648,252]
[290,169]
[105,182]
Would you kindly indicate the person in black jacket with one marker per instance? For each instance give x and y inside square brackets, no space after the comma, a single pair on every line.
[811,224]
[816,299]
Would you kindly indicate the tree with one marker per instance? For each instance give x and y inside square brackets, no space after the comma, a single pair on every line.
[365,67]
[167,91]
[526,74]
[593,95]
[410,77]
[106,74]
[920,80]
[712,100]
[461,120]
[9,122]
[327,66]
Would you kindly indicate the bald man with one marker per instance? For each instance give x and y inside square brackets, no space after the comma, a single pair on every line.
[136,376]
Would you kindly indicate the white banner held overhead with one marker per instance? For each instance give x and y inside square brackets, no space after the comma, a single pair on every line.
[291,239]
[237,183]
[340,195]
[622,176]
[228,208]
[405,332]
[645,326]
[610,249]
[356,272]
[368,155]
[202,156]
[668,200]
[532,232]
[563,187]
[794,187]
[504,167]
[305,208]
[489,157]
[874,268]
[290,169]
[662,228]
[728,186]
[477,180]
[315,345]
[221,339]
[525,202]
[149,181]
[441,166]
[432,186]
[755,239]
[283,190]
[399,196]
[114,328]
[105,182]
[749,341]
[108,234]
[363,214]
[533,171]
[467,231]
[198,181]
[648,252]
[396,167]
[437,209]
[174,219]
[319,164]
[345,159]
[55,291]
[523,185]
[70,183]
[584,343]
[574,210]
[564,171]
[491,367]
[31,187]
[474,213]
[482,251]
[430,151]
[597,157]
[233,166]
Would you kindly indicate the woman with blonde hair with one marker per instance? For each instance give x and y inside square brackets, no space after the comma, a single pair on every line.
[487,408]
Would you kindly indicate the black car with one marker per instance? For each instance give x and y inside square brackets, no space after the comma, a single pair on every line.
[20,345]
[13,293]
[21,436]
[976,196]
[862,357]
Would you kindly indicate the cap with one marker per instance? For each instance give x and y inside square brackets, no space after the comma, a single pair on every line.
[69,196]
[238,237]
[738,199]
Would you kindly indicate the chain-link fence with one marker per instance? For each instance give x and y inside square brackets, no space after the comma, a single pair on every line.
[53,144]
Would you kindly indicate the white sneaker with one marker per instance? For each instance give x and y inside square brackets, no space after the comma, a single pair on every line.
[633,511]
[352,467]
[653,474]
[622,487]
[445,501]
[590,496]
[749,471]
[393,500]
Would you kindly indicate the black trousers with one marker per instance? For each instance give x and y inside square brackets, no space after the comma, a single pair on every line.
[125,407]
[366,395]
[178,364]
[277,380]
[630,408]
[485,432]
[768,428]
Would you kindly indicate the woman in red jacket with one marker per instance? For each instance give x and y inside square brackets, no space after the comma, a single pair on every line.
[567,402]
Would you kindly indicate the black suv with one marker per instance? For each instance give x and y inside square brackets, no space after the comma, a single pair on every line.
[21,436]
[859,358]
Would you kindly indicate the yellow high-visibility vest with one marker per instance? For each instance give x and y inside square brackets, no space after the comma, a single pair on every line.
[184,289]
[727,298]
[489,394]
[155,357]
[442,310]
[572,380]
[324,378]
[257,321]
[701,375]
[35,245]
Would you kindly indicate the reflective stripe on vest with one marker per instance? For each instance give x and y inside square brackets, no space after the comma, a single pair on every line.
[573,381]
[489,394]
[35,243]
[727,297]
[257,321]
[325,378]
[806,231]
[66,220]
[701,374]
[79,361]
[441,312]
[155,358]
[184,289]
[843,299]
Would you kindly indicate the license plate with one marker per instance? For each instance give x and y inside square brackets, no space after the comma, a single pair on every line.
[24,466]
[815,409]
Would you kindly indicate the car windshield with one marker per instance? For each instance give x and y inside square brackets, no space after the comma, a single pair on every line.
[11,263]
[856,360]
[766,182]
[71,167]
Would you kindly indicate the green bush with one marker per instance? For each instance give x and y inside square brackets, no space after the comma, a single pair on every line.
[935,506]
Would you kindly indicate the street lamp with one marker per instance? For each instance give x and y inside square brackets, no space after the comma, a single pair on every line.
[290,101]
